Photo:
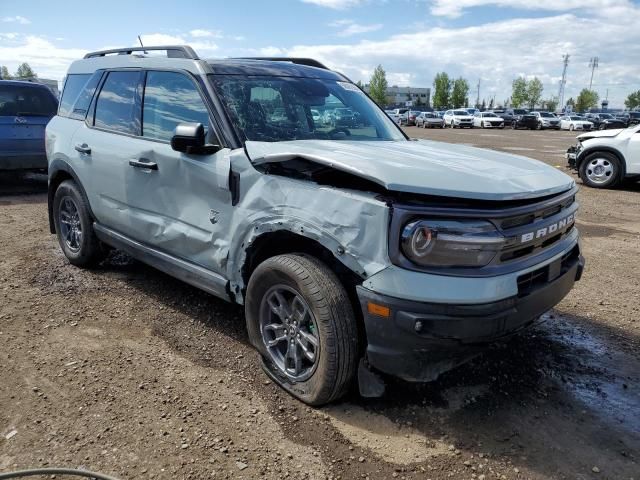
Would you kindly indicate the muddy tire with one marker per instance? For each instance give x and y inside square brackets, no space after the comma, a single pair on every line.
[74,226]
[601,170]
[300,319]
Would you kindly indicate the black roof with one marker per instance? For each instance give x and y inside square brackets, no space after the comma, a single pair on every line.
[249,66]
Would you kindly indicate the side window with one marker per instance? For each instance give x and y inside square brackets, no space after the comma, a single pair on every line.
[170,98]
[81,105]
[72,88]
[116,105]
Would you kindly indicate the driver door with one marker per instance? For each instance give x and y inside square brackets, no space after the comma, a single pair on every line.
[179,203]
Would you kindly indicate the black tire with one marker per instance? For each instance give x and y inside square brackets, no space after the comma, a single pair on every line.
[539,126]
[513,125]
[88,251]
[609,159]
[334,370]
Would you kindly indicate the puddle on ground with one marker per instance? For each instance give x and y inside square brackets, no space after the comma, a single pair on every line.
[602,378]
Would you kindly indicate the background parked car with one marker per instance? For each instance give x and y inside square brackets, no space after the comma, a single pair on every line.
[575,122]
[547,120]
[458,118]
[429,120]
[527,120]
[25,110]
[629,118]
[605,121]
[409,117]
[343,117]
[510,114]
[487,120]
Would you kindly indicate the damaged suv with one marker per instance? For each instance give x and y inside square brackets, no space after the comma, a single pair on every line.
[356,252]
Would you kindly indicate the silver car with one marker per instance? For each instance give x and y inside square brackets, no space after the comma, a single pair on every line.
[354,250]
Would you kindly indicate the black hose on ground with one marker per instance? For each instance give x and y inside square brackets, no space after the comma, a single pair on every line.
[55,471]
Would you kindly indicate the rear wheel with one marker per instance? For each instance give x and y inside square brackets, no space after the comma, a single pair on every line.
[601,170]
[74,226]
[300,319]
[571,128]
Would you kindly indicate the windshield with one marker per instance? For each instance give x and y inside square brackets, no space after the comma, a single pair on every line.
[274,109]
[519,111]
[577,118]
[16,100]
[461,112]
[605,115]
[547,115]
[489,115]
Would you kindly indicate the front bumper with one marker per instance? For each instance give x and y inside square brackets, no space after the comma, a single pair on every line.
[418,341]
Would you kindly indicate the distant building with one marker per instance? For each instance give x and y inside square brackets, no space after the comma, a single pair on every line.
[419,96]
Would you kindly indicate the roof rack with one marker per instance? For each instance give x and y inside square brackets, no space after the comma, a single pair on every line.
[173,51]
[309,62]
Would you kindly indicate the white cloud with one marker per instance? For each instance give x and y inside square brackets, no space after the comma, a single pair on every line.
[200,33]
[46,59]
[202,47]
[455,8]
[17,19]
[335,4]
[8,36]
[350,28]
[500,51]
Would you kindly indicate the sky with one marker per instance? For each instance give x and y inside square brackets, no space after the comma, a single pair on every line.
[490,41]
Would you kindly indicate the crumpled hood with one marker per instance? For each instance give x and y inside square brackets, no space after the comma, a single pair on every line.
[425,167]
[601,133]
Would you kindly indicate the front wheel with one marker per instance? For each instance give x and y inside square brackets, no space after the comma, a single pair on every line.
[300,319]
[571,128]
[600,170]
[74,226]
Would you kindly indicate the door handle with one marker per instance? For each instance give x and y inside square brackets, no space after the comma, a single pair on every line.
[83,148]
[143,163]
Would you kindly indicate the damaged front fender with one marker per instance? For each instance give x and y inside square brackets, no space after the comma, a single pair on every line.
[352,225]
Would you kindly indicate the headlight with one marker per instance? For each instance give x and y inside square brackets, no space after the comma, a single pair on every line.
[451,243]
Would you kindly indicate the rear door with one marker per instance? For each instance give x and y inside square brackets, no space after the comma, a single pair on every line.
[25,111]
[104,145]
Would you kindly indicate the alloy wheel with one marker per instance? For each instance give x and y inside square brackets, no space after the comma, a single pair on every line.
[290,332]
[70,225]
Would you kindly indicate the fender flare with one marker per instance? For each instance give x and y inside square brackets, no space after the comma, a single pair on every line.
[251,232]
[55,169]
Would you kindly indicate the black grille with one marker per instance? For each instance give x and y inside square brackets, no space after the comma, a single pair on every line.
[531,281]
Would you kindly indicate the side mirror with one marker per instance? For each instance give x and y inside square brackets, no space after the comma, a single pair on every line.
[190,138]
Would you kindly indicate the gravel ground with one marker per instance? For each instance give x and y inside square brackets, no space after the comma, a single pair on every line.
[127,371]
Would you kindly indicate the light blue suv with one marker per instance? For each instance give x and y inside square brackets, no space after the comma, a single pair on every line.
[356,252]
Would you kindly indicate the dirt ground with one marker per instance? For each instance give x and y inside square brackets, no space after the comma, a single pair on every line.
[127,371]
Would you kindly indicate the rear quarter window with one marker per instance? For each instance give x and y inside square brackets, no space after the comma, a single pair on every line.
[75,101]
[73,85]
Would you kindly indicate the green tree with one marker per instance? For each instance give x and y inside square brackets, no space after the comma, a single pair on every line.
[534,92]
[459,92]
[483,105]
[360,84]
[442,90]
[551,104]
[586,100]
[4,73]
[491,104]
[378,86]
[25,71]
[571,103]
[519,93]
[633,100]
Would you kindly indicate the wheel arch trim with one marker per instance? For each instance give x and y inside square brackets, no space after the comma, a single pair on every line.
[59,171]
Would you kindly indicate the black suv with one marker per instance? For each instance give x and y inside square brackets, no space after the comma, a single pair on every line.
[605,121]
